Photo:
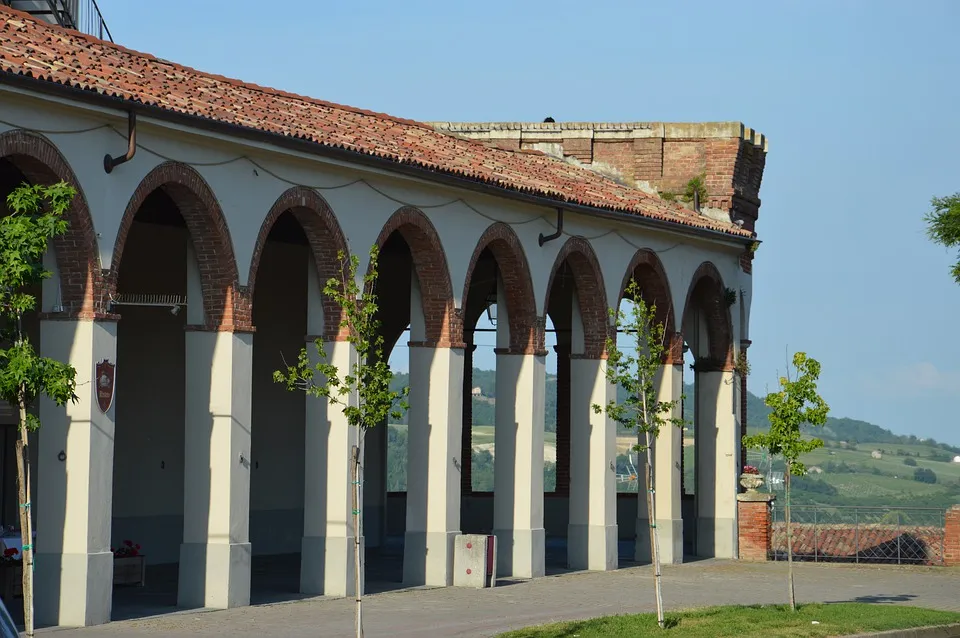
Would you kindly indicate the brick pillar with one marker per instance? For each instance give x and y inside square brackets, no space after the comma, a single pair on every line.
[466,449]
[951,537]
[754,525]
[563,418]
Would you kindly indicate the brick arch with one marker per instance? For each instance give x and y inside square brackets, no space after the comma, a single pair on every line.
[511,260]
[443,322]
[591,294]
[707,293]
[326,241]
[226,307]
[648,271]
[76,251]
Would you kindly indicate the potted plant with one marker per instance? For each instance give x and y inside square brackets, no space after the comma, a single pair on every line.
[750,478]
[11,574]
[129,565]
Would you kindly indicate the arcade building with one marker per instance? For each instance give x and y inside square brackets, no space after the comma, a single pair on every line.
[193,267]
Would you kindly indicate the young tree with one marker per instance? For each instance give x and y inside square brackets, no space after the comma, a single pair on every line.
[943,225]
[35,217]
[368,379]
[796,404]
[641,408]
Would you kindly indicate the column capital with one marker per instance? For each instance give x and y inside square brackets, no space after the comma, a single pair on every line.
[221,328]
[437,345]
[745,343]
[673,352]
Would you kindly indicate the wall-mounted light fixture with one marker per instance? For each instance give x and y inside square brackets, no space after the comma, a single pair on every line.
[62,456]
[492,308]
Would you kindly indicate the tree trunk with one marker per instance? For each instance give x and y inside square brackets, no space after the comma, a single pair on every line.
[654,536]
[357,534]
[26,522]
[793,599]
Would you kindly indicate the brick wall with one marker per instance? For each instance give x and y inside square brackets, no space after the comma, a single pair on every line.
[754,529]
[951,538]
[664,155]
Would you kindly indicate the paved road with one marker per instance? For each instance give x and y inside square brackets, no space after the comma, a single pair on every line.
[481,613]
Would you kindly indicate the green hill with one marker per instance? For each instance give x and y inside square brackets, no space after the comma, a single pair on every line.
[910,471]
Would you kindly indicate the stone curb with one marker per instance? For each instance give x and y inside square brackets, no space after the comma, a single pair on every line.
[938,631]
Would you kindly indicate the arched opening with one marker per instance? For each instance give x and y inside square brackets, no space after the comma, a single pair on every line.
[504,443]
[411,507]
[711,444]
[149,439]
[182,405]
[280,293]
[654,290]
[582,509]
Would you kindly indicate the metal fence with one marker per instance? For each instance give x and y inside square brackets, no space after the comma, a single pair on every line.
[860,534]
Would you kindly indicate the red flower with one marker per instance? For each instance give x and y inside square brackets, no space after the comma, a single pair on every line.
[138,546]
[10,551]
[128,543]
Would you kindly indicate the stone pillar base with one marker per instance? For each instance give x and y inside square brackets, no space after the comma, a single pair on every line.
[592,547]
[754,525]
[521,553]
[428,558]
[73,590]
[716,537]
[670,535]
[327,565]
[214,575]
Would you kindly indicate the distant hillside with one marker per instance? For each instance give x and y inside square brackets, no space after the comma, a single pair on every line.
[837,429]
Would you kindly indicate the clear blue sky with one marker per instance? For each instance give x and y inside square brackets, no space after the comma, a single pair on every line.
[860,101]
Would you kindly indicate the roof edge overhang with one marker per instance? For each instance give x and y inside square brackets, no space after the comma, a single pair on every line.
[95,98]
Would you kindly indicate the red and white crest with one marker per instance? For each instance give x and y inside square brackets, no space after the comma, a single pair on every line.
[106,381]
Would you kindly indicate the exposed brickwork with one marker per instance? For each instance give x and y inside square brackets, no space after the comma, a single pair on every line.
[951,537]
[591,294]
[326,243]
[226,307]
[706,293]
[746,261]
[647,270]
[754,530]
[666,156]
[514,272]
[78,258]
[443,321]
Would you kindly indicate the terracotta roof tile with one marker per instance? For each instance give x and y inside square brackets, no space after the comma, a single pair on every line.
[32,48]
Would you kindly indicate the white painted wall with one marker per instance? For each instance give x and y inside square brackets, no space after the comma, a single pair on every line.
[247,178]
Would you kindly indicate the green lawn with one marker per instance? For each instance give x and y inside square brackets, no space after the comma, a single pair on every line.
[760,621]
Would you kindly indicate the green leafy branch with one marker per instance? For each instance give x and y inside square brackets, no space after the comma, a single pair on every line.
[636,373]
[370,375]
[943,225]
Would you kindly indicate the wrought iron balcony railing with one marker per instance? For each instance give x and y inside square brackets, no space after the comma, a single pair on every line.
[82,15]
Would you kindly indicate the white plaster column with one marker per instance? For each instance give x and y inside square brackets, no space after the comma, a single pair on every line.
[74,564]
[518,464]
[718,454]
[327,550]
[215,554]
[668,451]
[433,464]
[592,532]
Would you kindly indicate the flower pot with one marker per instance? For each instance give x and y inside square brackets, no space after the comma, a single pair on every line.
[751,482]
[129,570]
